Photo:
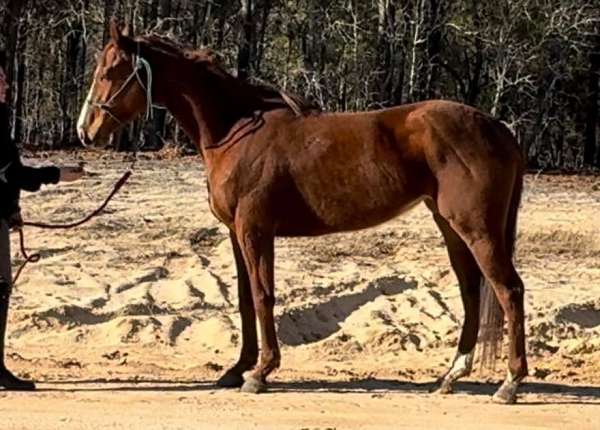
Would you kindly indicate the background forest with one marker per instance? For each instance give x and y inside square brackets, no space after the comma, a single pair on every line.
[535,64]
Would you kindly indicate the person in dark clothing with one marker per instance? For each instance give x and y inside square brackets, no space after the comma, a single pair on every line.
[14,177]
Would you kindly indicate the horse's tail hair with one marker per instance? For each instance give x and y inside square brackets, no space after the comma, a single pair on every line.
[491,324]
[491,315]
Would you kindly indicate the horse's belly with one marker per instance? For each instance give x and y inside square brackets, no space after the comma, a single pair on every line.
[353,180]
[354,215]
[348,206]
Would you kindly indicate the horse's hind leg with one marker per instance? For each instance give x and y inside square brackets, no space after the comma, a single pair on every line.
[469,279]
[249,354]
[508,286]
[480,218]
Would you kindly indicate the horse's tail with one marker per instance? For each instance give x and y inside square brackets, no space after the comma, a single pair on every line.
[491,316]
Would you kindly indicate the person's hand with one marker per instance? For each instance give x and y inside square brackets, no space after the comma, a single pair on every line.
[71,173]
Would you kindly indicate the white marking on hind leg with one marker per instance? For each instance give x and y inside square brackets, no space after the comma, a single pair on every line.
[461,366]
[507,393]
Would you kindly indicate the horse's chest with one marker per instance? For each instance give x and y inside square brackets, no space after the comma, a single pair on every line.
[219,211]
[220,206]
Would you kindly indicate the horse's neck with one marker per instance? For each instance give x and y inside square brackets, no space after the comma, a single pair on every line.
[206,121]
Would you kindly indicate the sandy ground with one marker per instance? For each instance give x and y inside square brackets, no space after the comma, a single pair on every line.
[129,319]
[311,406]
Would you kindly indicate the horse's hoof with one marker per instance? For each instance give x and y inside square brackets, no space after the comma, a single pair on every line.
[230,380]
[253,386]
[441,386]
[444,388]
[506,394]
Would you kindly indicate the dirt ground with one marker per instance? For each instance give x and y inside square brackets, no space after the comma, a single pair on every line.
[127,321]
[312,406]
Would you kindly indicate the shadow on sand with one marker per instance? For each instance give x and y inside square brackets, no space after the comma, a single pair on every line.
[319,321]
[557,393]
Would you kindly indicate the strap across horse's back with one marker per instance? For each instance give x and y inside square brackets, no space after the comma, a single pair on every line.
[246,128]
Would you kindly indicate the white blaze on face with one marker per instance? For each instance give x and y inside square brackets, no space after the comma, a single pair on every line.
[84,117]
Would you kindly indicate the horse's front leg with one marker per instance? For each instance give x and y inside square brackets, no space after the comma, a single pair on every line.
[249,354]
[257,246]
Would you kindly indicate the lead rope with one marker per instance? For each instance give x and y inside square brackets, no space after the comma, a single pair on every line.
[34,258]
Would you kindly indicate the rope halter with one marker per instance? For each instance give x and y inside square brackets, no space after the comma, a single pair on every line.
[139,63]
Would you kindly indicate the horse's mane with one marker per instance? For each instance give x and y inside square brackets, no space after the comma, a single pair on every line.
[271,96]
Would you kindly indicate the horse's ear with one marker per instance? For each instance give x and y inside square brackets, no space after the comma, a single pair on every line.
[115,33]
[128,30]
[122,38]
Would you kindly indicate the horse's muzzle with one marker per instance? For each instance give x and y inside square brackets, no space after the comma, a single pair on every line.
[83,137]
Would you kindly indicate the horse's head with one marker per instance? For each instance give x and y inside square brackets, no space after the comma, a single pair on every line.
[121,88]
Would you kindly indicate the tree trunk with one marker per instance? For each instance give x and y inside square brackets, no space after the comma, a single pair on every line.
[10,27]
[413,74]
[159,116]
[12,20]
[198,11]
[434,46]
[150,14]
[261,33]
[221,24]
[108,13]
[19,99]
[165,8]
[591,151]
[384,69]
[246,39]
[73,65]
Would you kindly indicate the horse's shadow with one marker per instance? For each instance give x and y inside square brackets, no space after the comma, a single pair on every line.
[319,321]
[555,393]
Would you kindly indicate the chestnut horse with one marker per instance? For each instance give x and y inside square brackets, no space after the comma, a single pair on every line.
[277,167]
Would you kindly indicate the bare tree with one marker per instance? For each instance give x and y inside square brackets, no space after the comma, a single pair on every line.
[591,152]
[533,64]
[246,38]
